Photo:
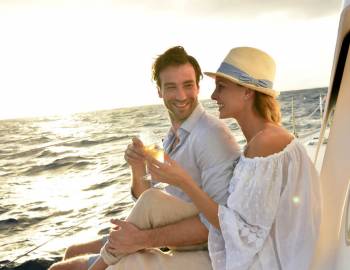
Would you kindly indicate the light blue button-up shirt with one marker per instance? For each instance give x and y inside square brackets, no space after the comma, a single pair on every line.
[207,151]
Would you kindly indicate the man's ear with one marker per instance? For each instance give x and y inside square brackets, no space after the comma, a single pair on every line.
[160,94]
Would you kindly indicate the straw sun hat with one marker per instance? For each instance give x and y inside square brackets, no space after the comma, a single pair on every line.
[248,67]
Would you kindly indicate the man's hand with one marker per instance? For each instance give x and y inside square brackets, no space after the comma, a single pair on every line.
[134,154]
[125,238]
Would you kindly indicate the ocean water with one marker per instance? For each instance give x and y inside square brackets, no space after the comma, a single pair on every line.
[63,178]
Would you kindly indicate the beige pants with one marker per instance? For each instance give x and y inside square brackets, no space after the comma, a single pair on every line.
[153,209]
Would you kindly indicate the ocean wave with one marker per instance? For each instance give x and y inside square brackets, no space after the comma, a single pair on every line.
[7,223]
[61,213]
[101,185]
[23,154]
[39,140]
[37,264]
[28,221]
[5,209]
[117,209]
[7,174]
[116,167]
[150,125]
[19,224]
[85,143]
[39,208]
[49,153]
[66,162]
[24,222]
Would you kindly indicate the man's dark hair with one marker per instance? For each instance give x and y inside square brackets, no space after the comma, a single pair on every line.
[174,56]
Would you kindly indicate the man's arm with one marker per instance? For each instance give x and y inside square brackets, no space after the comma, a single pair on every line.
[187,232]
[127,238]
[134,156]
[138,185]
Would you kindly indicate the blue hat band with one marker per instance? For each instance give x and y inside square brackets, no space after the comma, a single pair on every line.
[242,76]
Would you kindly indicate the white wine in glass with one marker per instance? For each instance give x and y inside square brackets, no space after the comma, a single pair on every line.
[156,151]
[153,147]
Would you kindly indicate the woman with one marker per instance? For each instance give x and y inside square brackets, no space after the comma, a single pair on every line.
[272,216]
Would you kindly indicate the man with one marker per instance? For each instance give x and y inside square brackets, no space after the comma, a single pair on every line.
[200,143]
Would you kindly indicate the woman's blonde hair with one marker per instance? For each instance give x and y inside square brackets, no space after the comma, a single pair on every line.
[267,107]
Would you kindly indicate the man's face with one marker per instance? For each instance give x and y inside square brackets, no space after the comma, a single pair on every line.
[179,91]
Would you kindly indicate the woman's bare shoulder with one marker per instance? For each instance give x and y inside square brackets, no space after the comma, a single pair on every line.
[272,140]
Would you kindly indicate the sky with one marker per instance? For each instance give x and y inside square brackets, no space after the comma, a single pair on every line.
[67,56]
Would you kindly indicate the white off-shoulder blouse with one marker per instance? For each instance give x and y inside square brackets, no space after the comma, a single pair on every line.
[272,216]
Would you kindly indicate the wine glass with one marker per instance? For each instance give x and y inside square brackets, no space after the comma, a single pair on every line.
[152,146]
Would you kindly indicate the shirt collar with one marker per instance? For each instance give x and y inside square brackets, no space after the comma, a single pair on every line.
[188,124]
[192,120]
[186,127]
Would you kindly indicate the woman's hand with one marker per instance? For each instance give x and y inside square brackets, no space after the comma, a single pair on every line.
[168,172]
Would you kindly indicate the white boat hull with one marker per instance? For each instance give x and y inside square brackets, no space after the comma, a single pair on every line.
[333,249]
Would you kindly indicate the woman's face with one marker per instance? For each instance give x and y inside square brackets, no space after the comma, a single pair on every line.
[229,97]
